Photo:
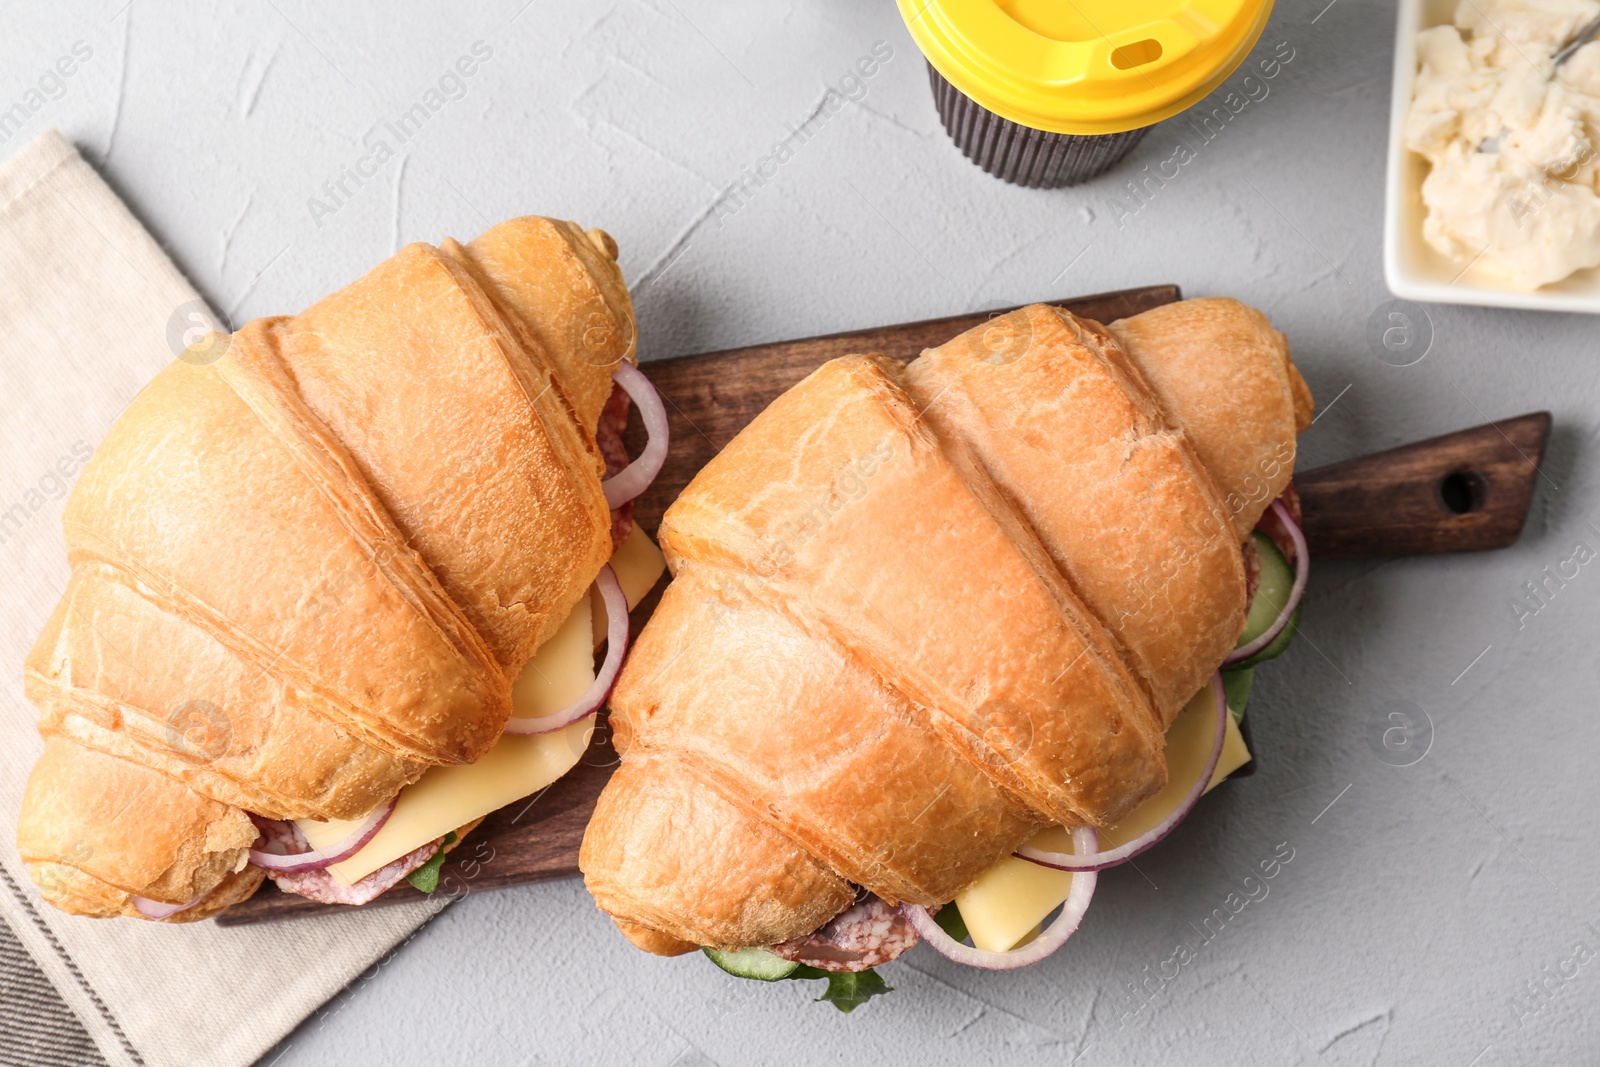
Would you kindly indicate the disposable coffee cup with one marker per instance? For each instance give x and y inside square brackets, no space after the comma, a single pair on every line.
[1047,94]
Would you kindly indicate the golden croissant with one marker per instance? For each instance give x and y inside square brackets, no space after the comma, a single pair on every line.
[309,560]
[919,612]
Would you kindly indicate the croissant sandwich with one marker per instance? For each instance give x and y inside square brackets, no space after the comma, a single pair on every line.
[925,616]
[330,599]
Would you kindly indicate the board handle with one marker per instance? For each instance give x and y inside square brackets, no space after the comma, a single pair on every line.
[1463,492]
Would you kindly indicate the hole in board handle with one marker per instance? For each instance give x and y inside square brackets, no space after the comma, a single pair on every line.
[1462,492]
[1136,54]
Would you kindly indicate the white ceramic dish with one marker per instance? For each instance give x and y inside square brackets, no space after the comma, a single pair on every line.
[1413,270]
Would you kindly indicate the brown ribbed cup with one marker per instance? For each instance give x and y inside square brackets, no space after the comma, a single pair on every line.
[1021,154]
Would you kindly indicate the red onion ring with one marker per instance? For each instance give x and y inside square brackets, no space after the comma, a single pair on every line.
[636,477]
[1079,860]
[319,858]
[1302,571]
[1085,841]
[616,645]
[155,909]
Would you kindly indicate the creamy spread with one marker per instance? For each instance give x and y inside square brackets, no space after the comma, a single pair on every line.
[1513,142]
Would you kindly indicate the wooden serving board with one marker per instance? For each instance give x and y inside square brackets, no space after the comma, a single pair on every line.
[1462,492]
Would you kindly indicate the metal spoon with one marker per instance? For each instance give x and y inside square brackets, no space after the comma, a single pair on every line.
[1578,40]
[1584,35]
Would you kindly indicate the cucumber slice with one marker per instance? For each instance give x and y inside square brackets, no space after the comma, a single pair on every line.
[755,963]
[1274,650]
[1237,684]
[1272,593]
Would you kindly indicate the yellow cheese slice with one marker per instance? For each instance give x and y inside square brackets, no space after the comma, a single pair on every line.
[637,564]
[1011,898]
[1188,745]
[1234,755]
[447,797]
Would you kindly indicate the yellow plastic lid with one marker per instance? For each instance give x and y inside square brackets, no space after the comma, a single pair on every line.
[1085,66]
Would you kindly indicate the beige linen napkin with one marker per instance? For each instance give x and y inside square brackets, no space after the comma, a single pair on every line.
[90,310]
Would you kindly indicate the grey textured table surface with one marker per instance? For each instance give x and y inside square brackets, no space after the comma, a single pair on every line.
[1423,905]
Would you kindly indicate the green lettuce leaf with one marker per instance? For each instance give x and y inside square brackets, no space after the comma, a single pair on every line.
[1237,684]
[950,921]
[426,877]
[848,990]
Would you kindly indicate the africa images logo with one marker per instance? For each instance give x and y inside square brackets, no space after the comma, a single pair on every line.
[380,143]
[197,336]
[200,730]
[1399,733]
[1399,333]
